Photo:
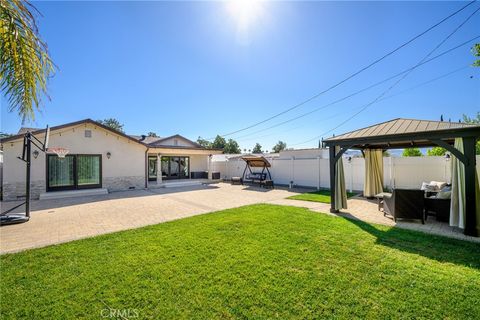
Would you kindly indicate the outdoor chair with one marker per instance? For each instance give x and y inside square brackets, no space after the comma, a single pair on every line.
[237,180]
[405,204]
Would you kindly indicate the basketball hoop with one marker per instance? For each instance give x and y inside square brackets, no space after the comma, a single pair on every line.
[59,151]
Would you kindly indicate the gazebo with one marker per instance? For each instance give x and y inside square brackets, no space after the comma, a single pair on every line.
[457,138]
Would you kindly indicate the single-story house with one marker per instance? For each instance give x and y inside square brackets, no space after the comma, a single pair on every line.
[103,158]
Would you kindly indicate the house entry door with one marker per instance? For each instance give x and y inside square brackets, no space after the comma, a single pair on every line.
[175,168]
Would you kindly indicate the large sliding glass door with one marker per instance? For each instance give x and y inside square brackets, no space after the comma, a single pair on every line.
[74,172]
[175,167]
[152,168]
[60,172]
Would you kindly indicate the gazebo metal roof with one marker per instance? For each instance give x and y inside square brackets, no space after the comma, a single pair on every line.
[404,133]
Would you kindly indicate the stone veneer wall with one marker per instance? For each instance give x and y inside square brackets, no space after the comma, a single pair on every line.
[124,183]
[16,190]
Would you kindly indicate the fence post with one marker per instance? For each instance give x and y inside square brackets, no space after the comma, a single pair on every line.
[319,174]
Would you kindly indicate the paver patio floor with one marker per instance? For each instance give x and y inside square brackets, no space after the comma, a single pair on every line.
[62,220]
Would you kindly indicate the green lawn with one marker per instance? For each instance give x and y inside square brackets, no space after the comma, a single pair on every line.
[254,262]
[317,196]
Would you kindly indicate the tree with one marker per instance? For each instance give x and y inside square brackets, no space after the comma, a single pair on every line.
[112,123]
[152,134]
[412,152]
[257,148]
[436,151]
[219,143]
[232,147]
[204,143]
[476,53]
[5,135]
[280,146]
[474,120]
[25,63]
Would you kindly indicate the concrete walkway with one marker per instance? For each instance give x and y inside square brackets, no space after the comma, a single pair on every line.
[63,220]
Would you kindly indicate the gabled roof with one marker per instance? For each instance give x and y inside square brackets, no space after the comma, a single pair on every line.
[159,142]
[153,142]
[71,124]
[145,139]
[400,126]
[24,130]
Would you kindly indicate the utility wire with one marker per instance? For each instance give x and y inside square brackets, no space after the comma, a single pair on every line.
[352,75]
[384,98]
[398,81]
[360,91]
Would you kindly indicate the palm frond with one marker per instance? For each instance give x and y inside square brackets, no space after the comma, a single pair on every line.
[25,64]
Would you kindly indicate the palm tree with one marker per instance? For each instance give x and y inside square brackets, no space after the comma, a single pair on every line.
[25,64]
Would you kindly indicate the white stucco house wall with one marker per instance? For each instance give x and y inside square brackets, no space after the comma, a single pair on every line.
[101,157]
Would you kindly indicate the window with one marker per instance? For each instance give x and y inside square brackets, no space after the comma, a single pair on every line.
[88,133]
[74,172]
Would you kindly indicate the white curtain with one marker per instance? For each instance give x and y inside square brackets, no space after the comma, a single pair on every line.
[373,172]
[457,205]
[340,190]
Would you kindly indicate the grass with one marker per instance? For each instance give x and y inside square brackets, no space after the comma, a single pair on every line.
[260,262]
[317,196]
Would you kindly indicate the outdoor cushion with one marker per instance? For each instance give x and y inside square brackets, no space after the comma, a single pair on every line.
[438,185]
[427,187]
[433,186]
[444,195]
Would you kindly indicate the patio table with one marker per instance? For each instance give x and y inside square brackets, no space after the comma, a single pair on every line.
[380,197]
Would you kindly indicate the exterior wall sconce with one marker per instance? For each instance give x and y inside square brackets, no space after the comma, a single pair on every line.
[447,156]
[35,154]
[109,154]
[349,159]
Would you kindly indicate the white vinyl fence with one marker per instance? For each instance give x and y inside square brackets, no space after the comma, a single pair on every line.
[400,172]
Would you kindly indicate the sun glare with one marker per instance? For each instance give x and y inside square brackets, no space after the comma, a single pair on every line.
[245,12]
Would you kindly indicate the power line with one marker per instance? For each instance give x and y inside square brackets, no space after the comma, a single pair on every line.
[397,82]
[384,98]
[352,75]
[360,91]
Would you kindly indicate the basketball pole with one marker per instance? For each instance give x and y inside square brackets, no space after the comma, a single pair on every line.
[7,217]
[27,184]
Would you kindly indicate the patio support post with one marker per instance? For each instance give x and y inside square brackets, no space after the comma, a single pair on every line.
[333,161]
[470,201]
[209,166]
[159,168]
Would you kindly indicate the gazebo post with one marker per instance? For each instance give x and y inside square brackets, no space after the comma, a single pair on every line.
[470,199]
[332,159]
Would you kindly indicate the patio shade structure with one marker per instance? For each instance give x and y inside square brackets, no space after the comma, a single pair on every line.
[256,162]
[408,133]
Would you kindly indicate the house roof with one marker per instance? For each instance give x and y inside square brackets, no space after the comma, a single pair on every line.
[405,131]
[145,139]
[158,143]
[24,130]
[153,142]
[66,125]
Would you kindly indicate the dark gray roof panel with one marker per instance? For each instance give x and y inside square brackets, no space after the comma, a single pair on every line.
[400,126]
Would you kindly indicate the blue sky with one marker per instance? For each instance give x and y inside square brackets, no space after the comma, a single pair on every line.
[187,68]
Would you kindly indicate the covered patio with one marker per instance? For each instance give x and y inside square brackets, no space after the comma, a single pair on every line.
[457,138]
